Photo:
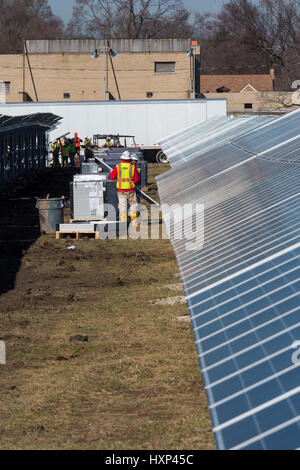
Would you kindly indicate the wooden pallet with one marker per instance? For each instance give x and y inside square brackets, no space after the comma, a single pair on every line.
[77,235]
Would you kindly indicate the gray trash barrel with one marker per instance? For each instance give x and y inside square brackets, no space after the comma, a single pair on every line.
[51,214]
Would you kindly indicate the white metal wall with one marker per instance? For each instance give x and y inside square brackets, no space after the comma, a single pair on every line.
[149,121]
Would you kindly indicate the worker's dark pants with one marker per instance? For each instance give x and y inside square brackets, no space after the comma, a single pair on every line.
[65,160]
[55,158]
[72,160]
[77,157]
[88,153]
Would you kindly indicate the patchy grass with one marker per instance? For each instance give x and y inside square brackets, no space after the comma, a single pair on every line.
[130,379]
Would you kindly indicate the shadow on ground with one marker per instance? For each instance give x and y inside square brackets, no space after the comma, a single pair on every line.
[19,218]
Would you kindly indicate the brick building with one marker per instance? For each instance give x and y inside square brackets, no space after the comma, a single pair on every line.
[143,69]
[64,70]
[243,92]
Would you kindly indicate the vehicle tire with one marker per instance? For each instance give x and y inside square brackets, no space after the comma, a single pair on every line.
[161,157]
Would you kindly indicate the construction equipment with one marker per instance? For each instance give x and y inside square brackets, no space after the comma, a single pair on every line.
[119,141]
[144,195]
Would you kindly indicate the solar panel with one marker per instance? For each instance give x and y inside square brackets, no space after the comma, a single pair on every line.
[215,154]
[193,174]
[46,120]
[290,152]
[242,287]
[267,137]
[207,136]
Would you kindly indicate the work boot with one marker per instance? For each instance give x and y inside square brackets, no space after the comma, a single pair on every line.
[134,220]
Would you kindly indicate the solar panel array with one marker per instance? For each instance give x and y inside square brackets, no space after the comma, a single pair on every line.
[242,286]
[206,136]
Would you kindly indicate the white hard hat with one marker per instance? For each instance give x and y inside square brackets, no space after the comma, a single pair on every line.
[134,157]
[125,156]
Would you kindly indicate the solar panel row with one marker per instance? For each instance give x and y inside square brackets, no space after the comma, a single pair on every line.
[206,136]
[242,287]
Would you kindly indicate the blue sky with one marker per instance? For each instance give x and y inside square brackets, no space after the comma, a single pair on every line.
[63,8]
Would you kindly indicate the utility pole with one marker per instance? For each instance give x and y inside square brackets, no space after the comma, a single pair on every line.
[30,69]
[23,69]
[107,51]
[113,68]
[106,74]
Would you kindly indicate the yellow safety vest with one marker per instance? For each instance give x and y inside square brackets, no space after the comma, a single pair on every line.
[125,172]
[138,169]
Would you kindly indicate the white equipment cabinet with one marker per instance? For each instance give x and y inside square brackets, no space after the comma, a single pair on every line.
[87,196]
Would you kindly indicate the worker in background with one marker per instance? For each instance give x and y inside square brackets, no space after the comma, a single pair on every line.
[65,152]
[55,154]
[135,160]
[108,144]
[72,152]
[127,177]
[77,141]
[88,152]
[51,149]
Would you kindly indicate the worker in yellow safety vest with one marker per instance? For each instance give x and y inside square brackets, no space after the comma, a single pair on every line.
[55,153]
[127,177]
[65,152]
[108,144]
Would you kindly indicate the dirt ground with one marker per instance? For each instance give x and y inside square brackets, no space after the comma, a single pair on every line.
[94,360]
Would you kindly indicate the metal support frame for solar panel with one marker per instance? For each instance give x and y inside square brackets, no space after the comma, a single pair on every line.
[23,144]
[242,287]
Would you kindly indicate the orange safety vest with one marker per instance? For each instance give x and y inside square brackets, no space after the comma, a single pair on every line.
[77,142]
[125,172]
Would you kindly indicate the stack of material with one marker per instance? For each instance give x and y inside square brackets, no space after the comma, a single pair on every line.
[99,230]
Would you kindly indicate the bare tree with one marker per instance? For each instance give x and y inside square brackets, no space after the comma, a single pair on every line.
[130,19]
[223,54]
[279,101]
[248,37]
[26,19]
[270,30]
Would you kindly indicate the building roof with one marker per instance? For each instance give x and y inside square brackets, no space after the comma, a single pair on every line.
[83,46]
[237,83]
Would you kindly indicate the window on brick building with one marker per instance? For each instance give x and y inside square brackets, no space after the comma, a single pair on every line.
[165,67]
[248,106]
[66,96]
[149,94]
[5,86]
